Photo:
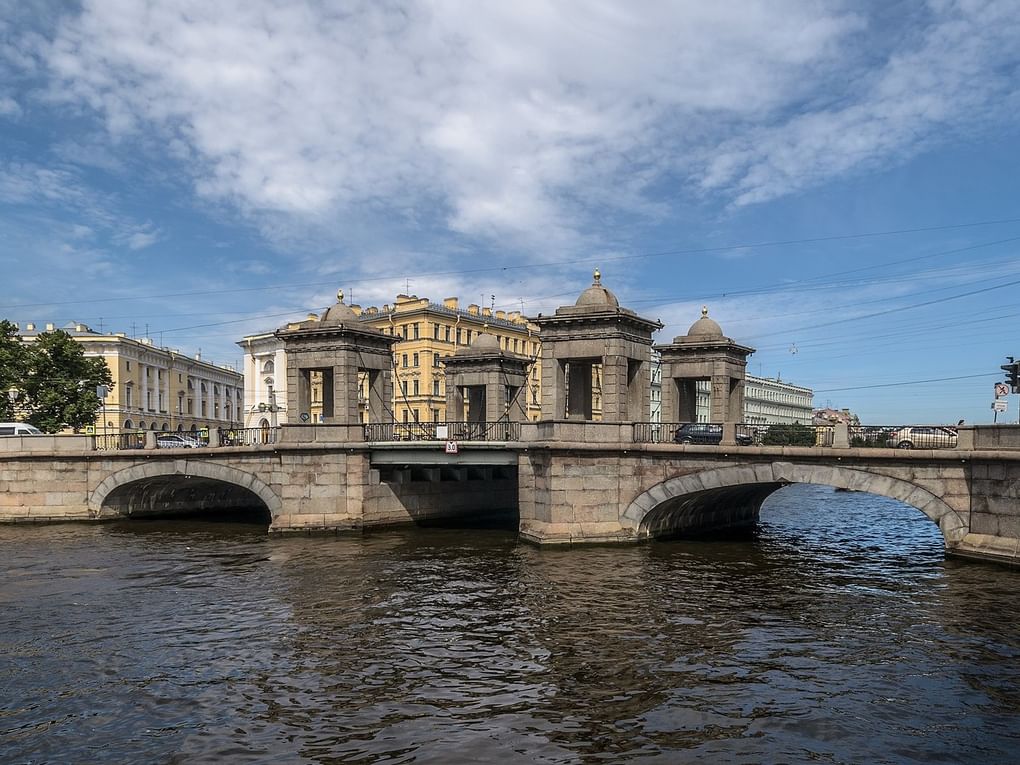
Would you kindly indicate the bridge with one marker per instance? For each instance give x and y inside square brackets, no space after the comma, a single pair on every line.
[594,468]
[565,482]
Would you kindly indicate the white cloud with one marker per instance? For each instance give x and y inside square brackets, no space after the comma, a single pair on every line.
[525,121]
[503,116]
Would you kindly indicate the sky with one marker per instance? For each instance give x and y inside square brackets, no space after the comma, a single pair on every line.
[836,181]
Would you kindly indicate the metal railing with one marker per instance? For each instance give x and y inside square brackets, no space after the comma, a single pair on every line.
[904,436]
[132,439]
[758,434]
[248,436]
[442,431]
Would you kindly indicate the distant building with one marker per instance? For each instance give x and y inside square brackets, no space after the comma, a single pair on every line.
[829,416]
[769,401]
[156,388]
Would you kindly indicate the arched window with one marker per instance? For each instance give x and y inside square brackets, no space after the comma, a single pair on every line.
[180,428]
[152,426]
[165,427]
[269,367]
[141,425]
[194,428]
[127,424]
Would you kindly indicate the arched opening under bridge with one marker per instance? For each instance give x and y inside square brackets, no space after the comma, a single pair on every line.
[730,498]
[196,490]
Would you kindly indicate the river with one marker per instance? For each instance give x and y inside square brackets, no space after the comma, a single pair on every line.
[840,633]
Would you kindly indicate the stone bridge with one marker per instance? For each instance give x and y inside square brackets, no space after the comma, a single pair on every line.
[564,483]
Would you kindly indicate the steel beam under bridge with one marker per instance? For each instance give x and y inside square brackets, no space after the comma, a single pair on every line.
[434,453]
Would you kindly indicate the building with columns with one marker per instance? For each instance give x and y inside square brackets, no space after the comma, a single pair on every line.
[156,388]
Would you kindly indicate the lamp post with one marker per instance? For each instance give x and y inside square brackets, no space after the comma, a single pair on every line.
[12,395]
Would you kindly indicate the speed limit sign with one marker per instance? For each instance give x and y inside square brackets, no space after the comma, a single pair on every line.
[1001,389]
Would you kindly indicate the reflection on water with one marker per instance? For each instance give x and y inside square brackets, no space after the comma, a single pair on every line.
[838,634]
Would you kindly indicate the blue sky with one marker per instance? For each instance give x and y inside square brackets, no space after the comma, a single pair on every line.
[837,181]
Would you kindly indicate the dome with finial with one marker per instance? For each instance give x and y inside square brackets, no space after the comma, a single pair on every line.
[597,295]
[339,313]
[705,327]
[482,343]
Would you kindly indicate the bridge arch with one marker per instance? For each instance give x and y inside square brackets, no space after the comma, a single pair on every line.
[153,471]
[693,501]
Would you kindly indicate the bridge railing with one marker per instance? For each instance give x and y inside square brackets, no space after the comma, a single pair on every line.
[759,434]
[442,431]
[249,436]
[131,439]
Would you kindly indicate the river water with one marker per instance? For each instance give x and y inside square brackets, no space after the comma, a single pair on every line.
[840,633]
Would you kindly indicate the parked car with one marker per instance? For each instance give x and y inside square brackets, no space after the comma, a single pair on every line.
[19,429]
[705,433]
[925,437]
[176,441]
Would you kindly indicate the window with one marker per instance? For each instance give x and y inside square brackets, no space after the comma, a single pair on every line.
[416,389]
[458,335]
[468,341]
[403,331]
[403,387]
[414,359]
[515,345]
[416,415]
[447,334]
[127,397]
[406,416]
[435,360]
[435,331]
[415,327]
[128,369]
[435,415]
[435,387]
[404,361]
[268,368]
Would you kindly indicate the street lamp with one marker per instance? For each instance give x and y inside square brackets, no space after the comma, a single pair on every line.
[12,395]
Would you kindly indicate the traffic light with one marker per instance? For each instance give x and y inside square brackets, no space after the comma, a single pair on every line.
[1012,370]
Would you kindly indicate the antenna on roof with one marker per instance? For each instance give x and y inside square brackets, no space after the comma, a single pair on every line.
[100,325]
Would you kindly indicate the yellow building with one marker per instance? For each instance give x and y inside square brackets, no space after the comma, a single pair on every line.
[427,333]
[157,388]
[430,331]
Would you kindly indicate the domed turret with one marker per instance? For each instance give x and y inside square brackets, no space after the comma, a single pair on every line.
[597,295]
[339,313]
[705,327]
[483,343]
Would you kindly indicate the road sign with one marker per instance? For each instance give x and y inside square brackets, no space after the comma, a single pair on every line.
[451,447]
[999,406]
[1001,389]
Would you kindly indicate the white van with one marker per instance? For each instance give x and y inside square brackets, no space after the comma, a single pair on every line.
[19,429]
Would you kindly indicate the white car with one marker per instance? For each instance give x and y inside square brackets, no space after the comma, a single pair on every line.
[923,437]
[19,429]
[176,441]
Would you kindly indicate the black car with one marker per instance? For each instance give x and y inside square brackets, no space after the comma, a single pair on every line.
[705,433]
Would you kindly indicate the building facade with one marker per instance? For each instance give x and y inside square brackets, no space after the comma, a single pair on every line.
[769,401]
[156,388]
[426,333]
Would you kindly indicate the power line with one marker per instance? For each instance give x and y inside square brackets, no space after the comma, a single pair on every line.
[536,264]
[909,382]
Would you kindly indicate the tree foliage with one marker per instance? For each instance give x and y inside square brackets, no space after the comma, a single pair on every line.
[13,366]
[790,435]
[56,382]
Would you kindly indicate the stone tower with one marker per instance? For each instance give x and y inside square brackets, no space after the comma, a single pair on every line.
[347,359]
[592,347]
[704,353]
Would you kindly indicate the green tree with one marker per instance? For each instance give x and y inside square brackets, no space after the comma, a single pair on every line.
[60,388]
[790,435]
[13,366]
